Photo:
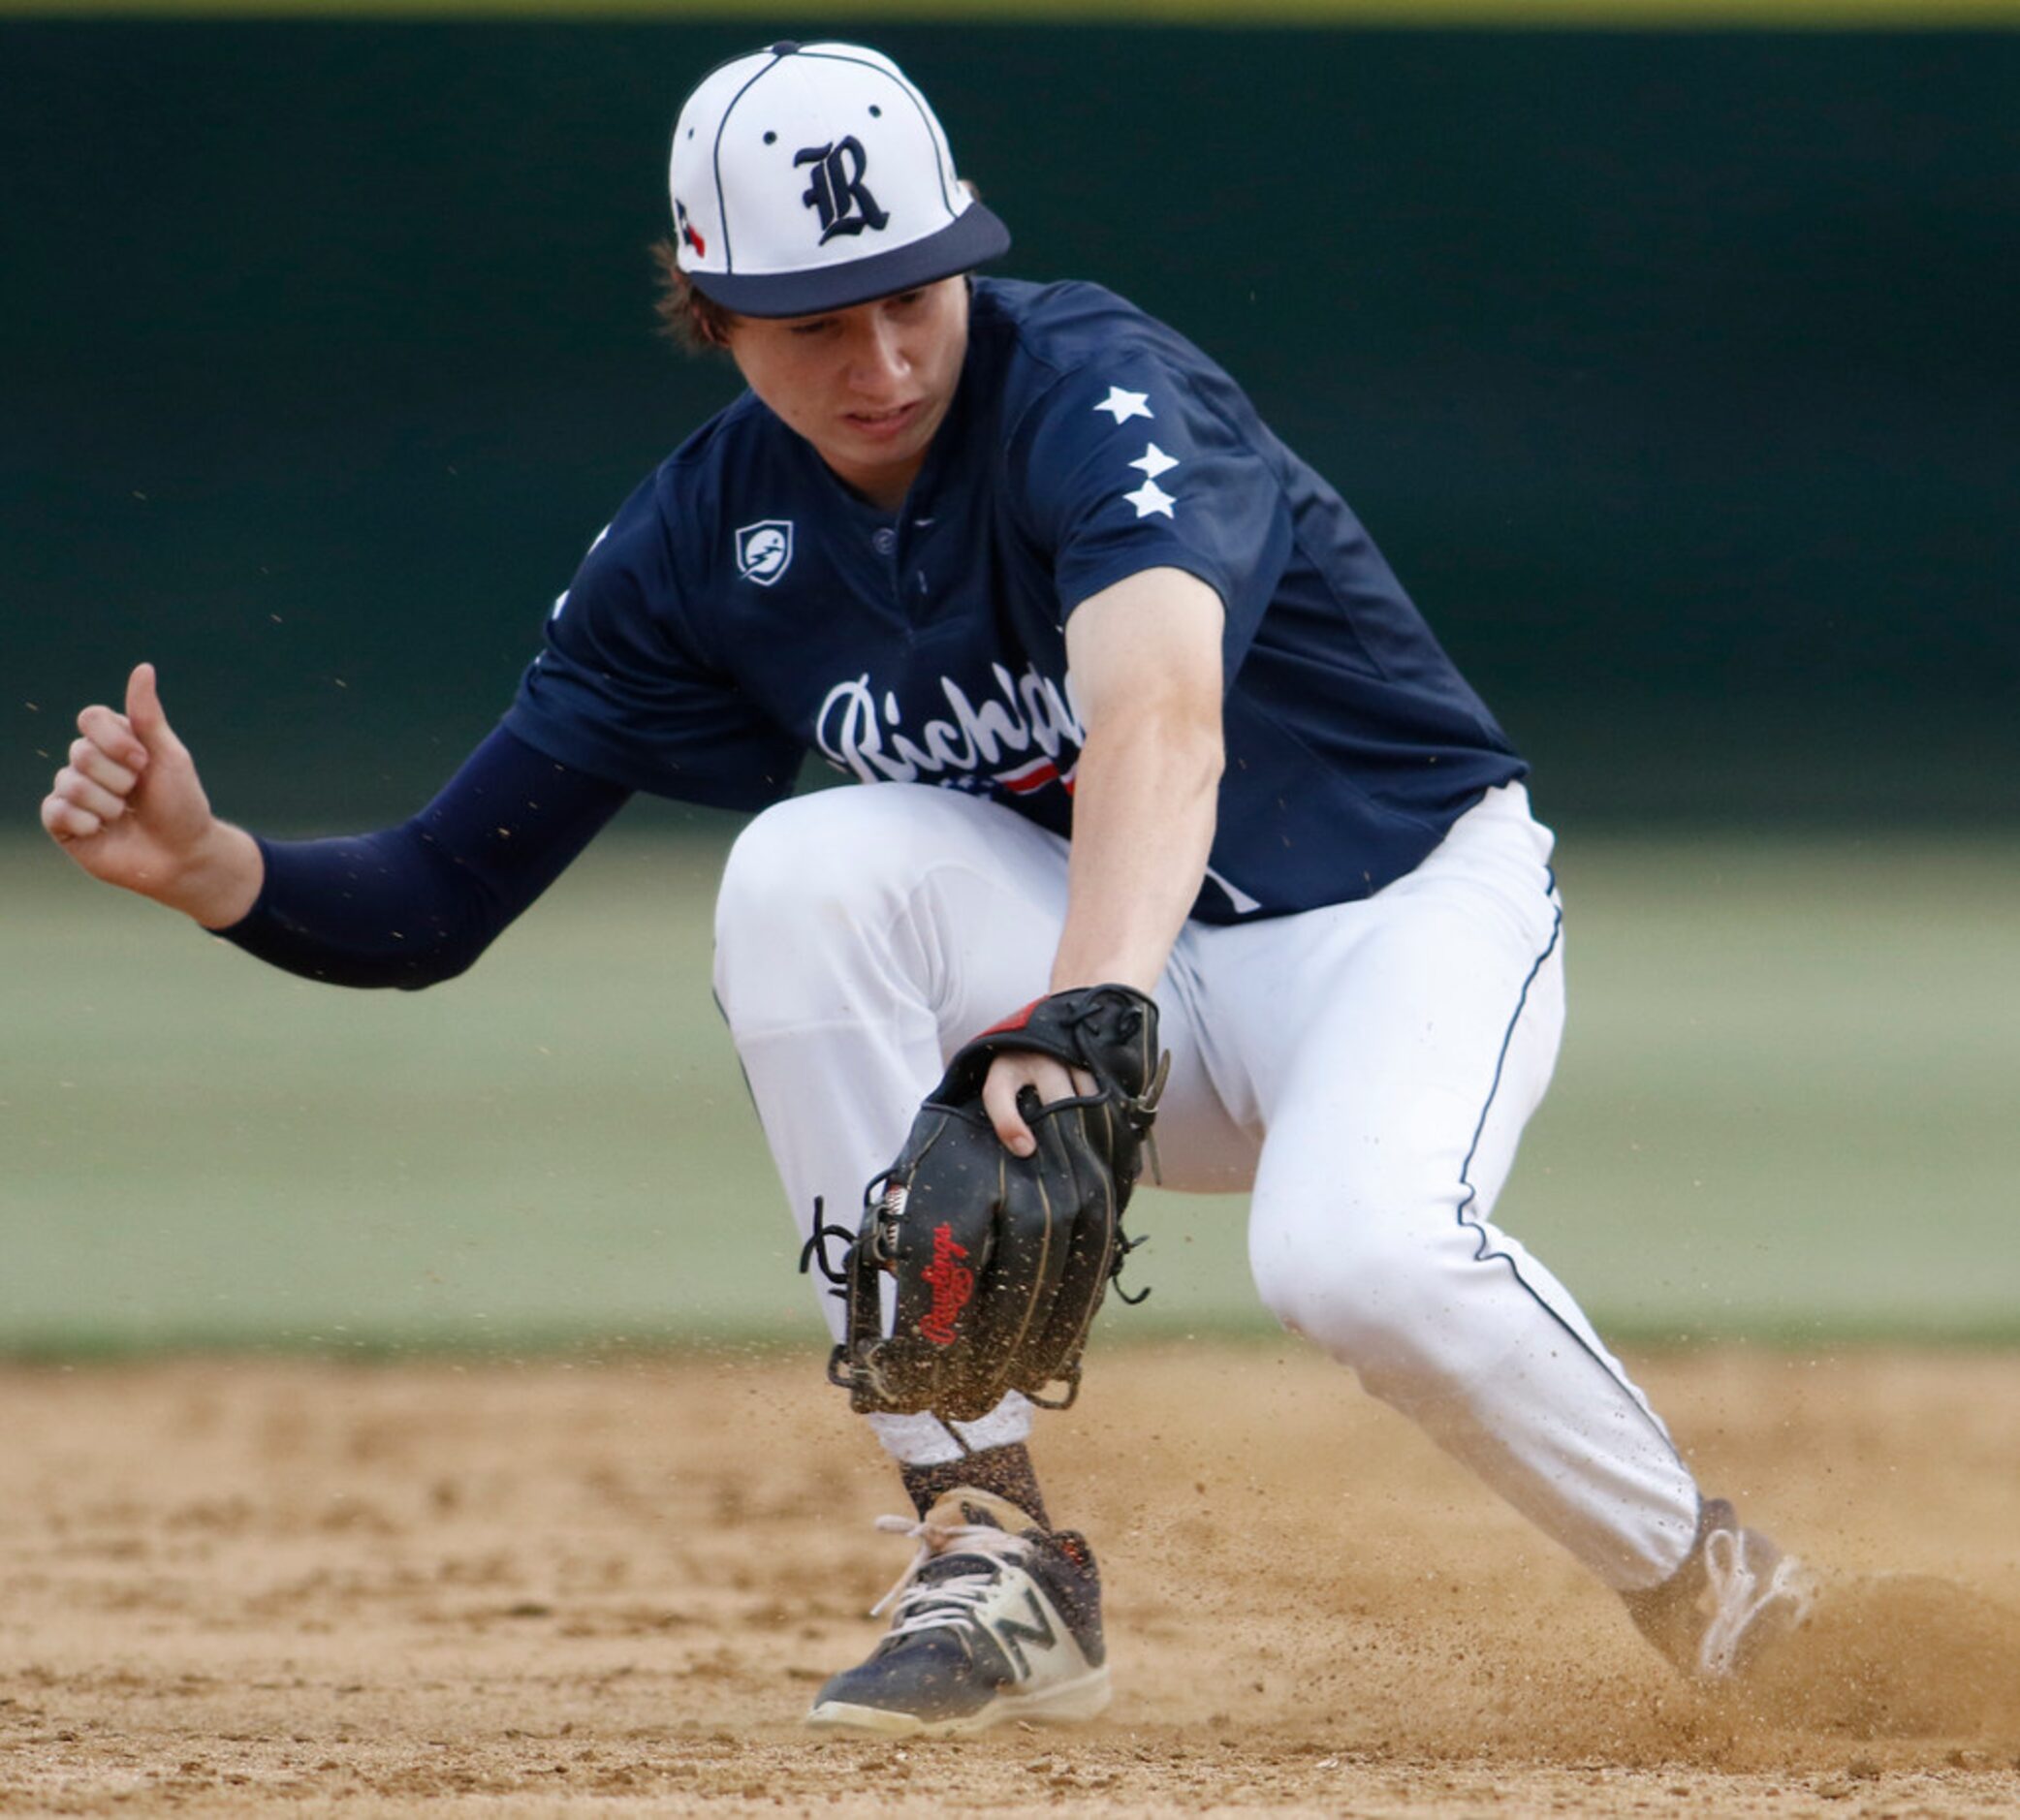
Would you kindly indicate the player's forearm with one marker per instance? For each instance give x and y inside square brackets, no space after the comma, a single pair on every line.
[416,905]
[1143,804]
[365,910]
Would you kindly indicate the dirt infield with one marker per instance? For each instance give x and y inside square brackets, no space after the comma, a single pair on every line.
[609,1588]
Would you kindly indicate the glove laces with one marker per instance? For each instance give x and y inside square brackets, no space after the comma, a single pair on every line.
[958,1596]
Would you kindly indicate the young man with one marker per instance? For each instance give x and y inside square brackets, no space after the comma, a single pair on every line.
[1145,706]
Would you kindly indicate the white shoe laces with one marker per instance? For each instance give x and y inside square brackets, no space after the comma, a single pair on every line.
[1738,1596]
[924,1608]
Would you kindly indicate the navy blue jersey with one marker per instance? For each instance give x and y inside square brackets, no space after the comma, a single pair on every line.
[746,607]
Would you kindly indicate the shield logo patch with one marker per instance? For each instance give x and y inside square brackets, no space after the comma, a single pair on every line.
[765,550]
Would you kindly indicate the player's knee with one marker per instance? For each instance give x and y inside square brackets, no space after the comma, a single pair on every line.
[1369,1290]
[808,888]
[792,866]
[757,878]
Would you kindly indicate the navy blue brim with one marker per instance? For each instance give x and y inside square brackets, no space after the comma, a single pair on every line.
[971,238]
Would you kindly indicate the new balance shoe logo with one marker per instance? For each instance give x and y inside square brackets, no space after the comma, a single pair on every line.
[1013,1634]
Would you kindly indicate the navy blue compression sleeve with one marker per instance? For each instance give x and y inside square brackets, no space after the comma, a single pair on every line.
[411,905]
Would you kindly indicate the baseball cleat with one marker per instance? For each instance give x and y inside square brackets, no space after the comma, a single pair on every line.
[994,1619]
[1735,1597]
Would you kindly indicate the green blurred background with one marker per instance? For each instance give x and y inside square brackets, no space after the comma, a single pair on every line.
[1675,370]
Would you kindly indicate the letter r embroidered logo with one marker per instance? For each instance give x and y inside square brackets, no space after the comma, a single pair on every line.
[836,188]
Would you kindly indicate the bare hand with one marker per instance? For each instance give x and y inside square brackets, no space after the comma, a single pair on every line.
[1012,1073]
[129,809]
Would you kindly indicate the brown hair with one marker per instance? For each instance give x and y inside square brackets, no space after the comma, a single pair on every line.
[685,314]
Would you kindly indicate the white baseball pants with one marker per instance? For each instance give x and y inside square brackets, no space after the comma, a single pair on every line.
[1366,1070]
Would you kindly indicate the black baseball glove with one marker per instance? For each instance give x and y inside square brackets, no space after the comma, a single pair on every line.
[999,1261]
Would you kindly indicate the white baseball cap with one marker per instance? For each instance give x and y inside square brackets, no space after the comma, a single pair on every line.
[810,178]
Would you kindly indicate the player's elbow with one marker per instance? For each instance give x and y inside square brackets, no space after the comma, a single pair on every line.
[1202,751]
[437,970]
[1173,730]
[453,948]
[1188,754]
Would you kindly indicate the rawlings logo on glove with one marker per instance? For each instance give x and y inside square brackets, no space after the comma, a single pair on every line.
[951,1286]
[1000,1261]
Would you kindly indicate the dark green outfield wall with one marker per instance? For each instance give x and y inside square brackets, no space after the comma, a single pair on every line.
[1676,374]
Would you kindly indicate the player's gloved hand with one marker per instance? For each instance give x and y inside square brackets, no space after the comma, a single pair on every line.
[1001,1259]
[130,809]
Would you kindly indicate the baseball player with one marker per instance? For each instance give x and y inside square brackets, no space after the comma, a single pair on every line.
[1140,704]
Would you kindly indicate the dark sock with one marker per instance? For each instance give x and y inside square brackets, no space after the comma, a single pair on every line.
[1005,1471]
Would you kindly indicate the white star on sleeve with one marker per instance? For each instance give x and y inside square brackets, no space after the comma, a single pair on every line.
[1154,462]
[1123,405]
[1150,497]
